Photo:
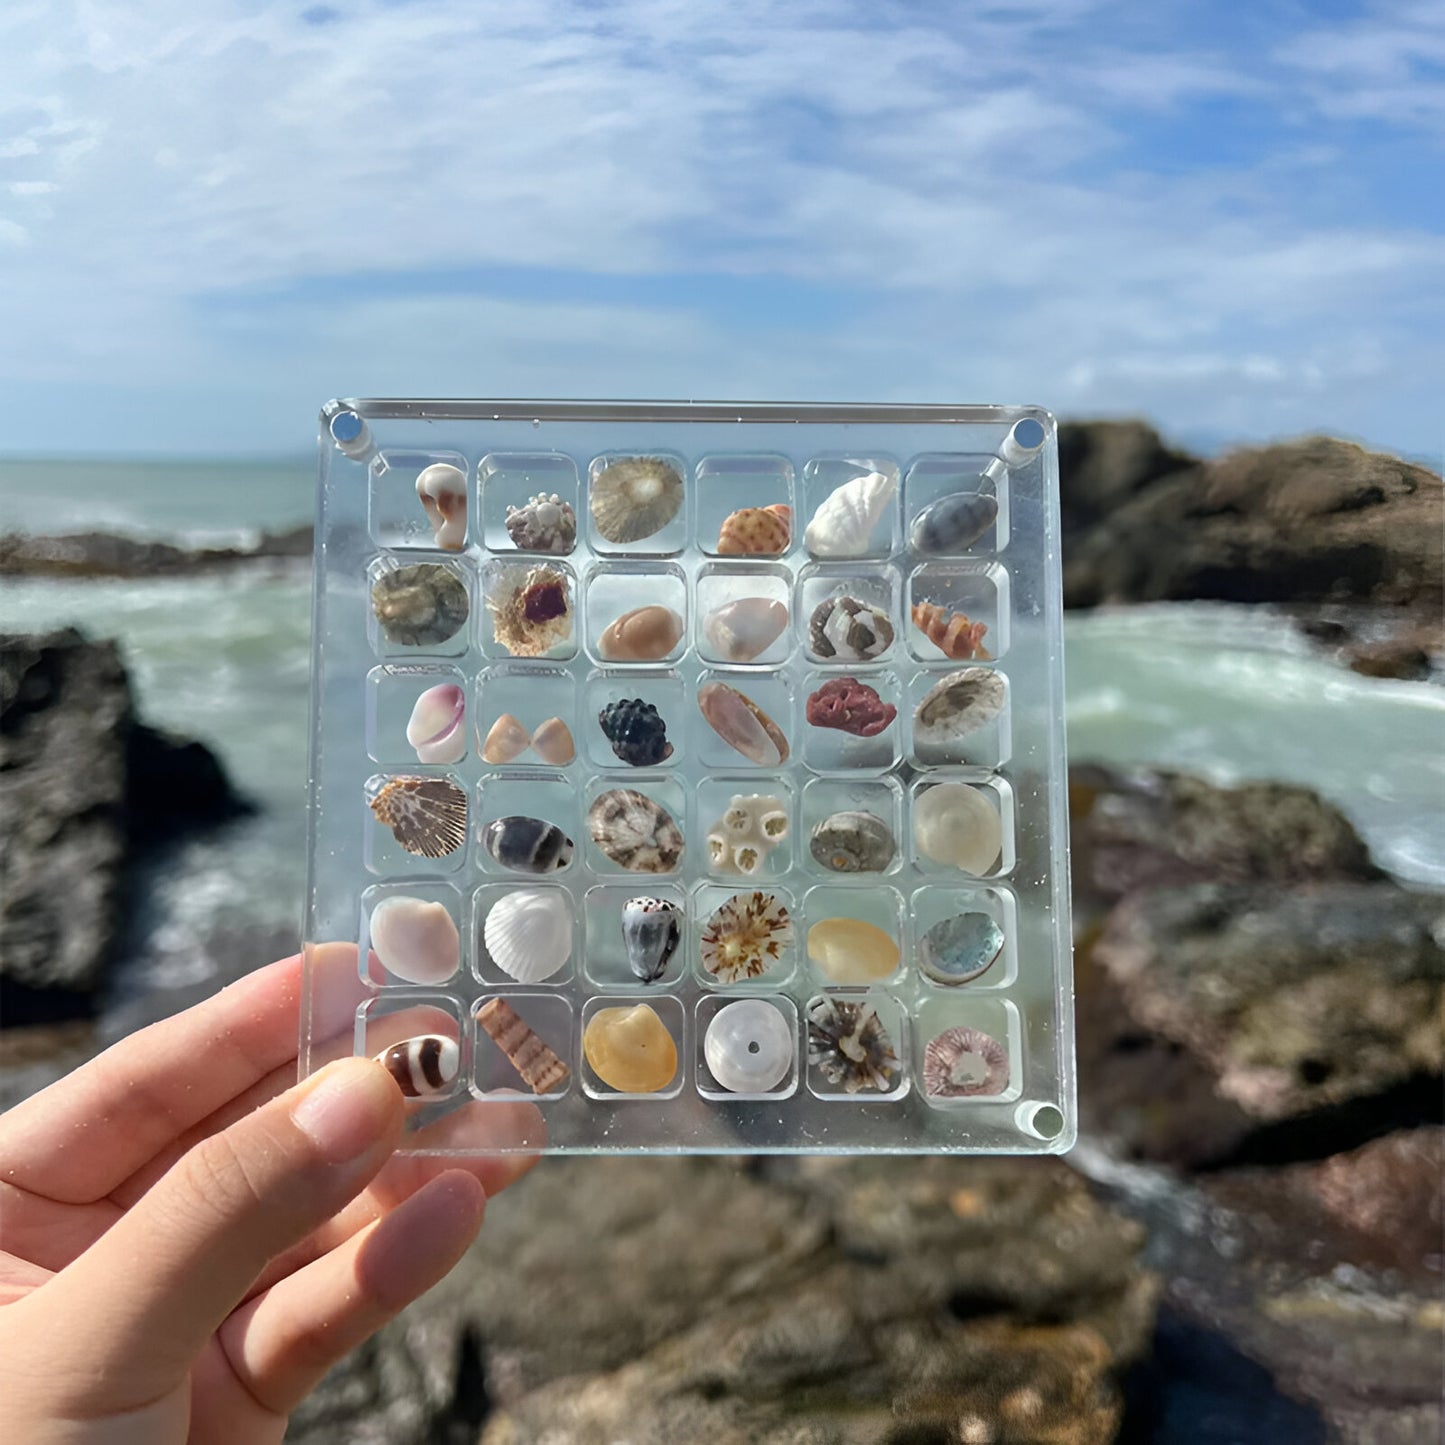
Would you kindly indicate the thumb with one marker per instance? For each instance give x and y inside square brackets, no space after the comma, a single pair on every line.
[137,1307]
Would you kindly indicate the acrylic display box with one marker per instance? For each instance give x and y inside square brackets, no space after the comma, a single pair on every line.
[689,777]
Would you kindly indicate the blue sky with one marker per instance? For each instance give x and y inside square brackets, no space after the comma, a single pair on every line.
[1225,217]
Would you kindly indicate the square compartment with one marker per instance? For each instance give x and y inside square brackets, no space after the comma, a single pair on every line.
[398,517]
[935,904]
[714,798]
[988,747]
[616,589]
[370,967]
[670,539]
[382,854]
[604,959]
[392,691]
[512,479]
[771,693]
[706,1010]
[486,968]
[503,581]
[976,590]
[726,584]
[551,1017]
[528,794]
[996,1018]
[894,1019]
[936,475]
[398,1015]
[660,789]
[876,904]
[778,973]
[673,1019]
[531,694]
[454,645]
[880,587]
[823,475]
[662,690]
[823,797]
[728,484]
[830,750]
[997,794]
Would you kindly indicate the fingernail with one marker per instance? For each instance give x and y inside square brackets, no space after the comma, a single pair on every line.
[346,1111]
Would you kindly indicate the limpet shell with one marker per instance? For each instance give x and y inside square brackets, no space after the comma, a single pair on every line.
[646,634]
[541,1070]
[442,489]
[745,937]
[848,950]
[958,949]
[742,724]
[527,845]
[756,532]
[634,832]
[427,816]
[531,610]
[635,498]
[853,842]
[545,524]
[952,524]
[749,1046]
[955,825]
[506,739]
[552,742]
[963,1063]
[847,629]
[959,704]
[424,1067]
[848,1044]
[416,941]
[528,933]
[420,606]
[744,629]
[843,525]
[630,1049]
[651,932]
[437,728]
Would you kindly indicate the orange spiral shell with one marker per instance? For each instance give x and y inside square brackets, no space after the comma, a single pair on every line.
[757,532]
[951,632]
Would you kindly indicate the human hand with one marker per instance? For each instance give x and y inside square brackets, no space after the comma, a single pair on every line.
[187,1244]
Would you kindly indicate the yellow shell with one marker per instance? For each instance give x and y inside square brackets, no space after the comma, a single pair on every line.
[847,950]
[630,1049]
[646,634]
[756,532]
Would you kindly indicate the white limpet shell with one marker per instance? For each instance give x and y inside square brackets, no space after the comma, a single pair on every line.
[740,841]
[843,525]
[528,933]
[415,940]
[955,825]
[443,492]
[749,1046]
[436,729]
[741,630]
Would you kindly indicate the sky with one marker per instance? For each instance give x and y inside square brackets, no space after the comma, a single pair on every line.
[1226,218]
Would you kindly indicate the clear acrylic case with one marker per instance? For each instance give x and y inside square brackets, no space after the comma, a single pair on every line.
[945,1001]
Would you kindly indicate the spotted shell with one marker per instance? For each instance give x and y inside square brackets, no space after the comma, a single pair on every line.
[634,832]
[635,498]
[745,937]
[427,816]
[952,524]
[756,532]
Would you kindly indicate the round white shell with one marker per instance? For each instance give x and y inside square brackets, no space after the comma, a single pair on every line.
[843,525]
[436,729]
[415,940]
[955,825]
[528,933]
[749,1047]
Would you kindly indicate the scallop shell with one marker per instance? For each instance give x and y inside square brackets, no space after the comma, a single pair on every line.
[742,630]
[541,1070]
[740,841]
[552,742]
[843,525]
[436,728]
[959,704]
[545,524]
[955,825]
[420,606]
[416,941]
[528,933]
[960,948]
[756,532]
[853,842]
[532,610]
[635,498]
[964,1063]
[954,634]
[952,524]
[443,492]
[427,816]
[634,832]
[846,629]
[651,932]
[636,731]
[749,1046]
[424,1067]
[506,739]
[849,1045]
[646,634]
[742,724]
[745,937]
[527,845]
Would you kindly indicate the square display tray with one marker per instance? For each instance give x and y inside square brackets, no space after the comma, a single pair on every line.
[791,674]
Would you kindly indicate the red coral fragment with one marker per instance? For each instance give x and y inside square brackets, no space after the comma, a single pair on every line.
[851,707]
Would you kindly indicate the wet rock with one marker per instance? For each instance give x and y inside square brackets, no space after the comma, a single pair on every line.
[106,554]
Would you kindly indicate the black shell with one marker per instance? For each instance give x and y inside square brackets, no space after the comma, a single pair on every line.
[527,845]
[636,731]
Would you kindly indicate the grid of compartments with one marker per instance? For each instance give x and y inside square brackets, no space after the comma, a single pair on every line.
[690,775]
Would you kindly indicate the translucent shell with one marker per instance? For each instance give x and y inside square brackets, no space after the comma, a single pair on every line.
[635,498]
[424,1067]
[742,630]
[415,940]
[964,1063]
[420,606]
[634,832]
[427,816]
[955,825]
[756,532]
[848,950]
[437,727]
[843,525]
[742,724]
[745,937]
[506,739]
[528,933]
[552,742]
[442,489]
[630,1049]
[541,1070]
[749,1046]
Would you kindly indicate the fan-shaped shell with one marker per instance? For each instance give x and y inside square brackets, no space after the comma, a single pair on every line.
[843,525]
[528,933]
[635,498]
[427,816]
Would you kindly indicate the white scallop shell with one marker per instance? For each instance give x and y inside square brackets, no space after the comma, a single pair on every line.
[528,933]
[443,492]
[843,525]
[415,940]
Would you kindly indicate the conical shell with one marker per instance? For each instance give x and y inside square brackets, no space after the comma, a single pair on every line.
[415,940]
[954,634]
[651,932]
[436,728]
[843,525]
[528,933]
[745,937]
[964,1063]
[443,492]
[635,498]
[742,630]
[756,532]
[420,606]
[427,816]
[540,1068]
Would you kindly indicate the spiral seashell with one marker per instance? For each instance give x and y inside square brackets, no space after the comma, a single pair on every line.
[636,731]
[443,492]
[745,937]
[532,611]
[416,941]
[954,824]
[436,728]
[422,605]
[964,1063]
[749,1046]
[527,845]
[424,1067]
[848,1044]
[959,704]
[541,1070]
[952,524]
[552,742]
[646,634]
[952,633]
[635,498]
[742,630]
[427,816]
[528,933]
[651,932]
[634,832]
[845,629]
[843,525]
[506,739]
[545,524]
[756,532]
[742,724]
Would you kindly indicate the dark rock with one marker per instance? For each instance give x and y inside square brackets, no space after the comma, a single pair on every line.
[1103,465]
[105,554]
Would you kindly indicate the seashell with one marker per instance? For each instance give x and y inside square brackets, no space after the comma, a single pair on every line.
[848,950]
[740,841]
[634,832]
[635,498]
[745,937]
[749,1046]
[528,933]
[955,825]
[646,634]
[427,816]
[964,1063]
[742,630]
[630,1049]
[552,742]
[545,524]
[952,633]
[541,1070]
[853,842]
[848,1043]
[952,524]
[960,948]
[424,1067]
[636,731]
[651,932]
[527,845]
[420,606]
[443,492]
[436,728]
[850,706]
[959,704]
[505,740]
[742,724]
[532,612]
[756,532]
[843,525]
[846,629]
[416,941]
